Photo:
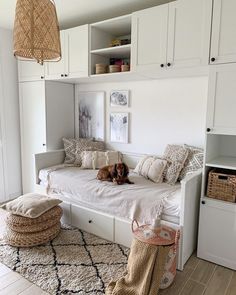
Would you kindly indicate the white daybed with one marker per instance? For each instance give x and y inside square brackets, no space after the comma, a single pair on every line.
[180,209]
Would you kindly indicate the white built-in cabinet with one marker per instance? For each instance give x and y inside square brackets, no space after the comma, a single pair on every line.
[223,41]
[30,71]
[175,35]
[74,62]
[47,115]
[221,117]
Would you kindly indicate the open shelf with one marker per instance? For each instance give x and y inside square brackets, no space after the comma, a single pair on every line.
[224,162]
[122,51]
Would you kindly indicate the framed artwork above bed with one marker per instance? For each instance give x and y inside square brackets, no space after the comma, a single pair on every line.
[119,127]
[119,98]
[90,115]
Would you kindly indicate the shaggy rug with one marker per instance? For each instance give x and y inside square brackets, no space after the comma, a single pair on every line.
[73,263]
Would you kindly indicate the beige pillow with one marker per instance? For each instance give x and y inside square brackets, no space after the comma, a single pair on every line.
[151,168]
[97,160]
[31,205]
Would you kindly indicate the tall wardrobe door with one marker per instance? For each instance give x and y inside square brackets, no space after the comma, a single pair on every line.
[2,186]
[33,129]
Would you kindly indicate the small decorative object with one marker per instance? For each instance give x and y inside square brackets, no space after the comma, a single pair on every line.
[125,68]
[114,68]
[91,115]
[115,42]
[119,98]
[119,127]
[36,31]
[100,69]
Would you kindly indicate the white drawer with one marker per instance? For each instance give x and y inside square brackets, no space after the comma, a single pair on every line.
[99,224]
[123,232]
[66,217]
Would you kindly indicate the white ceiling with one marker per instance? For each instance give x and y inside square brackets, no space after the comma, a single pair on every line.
[76,12]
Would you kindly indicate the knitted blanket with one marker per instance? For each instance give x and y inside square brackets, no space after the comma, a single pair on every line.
[144,271]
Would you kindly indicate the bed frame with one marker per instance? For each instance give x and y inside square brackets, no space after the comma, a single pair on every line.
[119,229]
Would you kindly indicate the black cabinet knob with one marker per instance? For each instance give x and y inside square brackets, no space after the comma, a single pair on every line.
[169,64]
[42,77]
[62,75]
[44,144]
[66,75]
[208,129]
[203,202]
[90,221]
[213,59]
[162,65]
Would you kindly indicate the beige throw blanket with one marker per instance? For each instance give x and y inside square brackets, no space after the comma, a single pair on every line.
[144,271]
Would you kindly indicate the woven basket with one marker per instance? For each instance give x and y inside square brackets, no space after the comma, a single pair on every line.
[222,185]
[31,239]
[17,221]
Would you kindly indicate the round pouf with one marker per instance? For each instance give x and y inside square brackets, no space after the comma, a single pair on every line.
[28,232]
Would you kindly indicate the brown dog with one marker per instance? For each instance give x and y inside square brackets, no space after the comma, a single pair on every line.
[117,173]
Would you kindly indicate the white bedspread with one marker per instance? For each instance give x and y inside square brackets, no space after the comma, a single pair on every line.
[144,200]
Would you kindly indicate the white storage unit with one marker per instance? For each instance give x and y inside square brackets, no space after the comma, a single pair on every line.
[30,71]
[175,35]
[74,62]
[47,115]
[223,41]
[10,161]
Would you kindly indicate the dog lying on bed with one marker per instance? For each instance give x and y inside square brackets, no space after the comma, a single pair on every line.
[118,173]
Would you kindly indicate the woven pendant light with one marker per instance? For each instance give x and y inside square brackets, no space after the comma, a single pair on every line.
[36,31]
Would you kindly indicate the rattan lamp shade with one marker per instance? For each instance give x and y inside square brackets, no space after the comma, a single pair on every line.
[36,31]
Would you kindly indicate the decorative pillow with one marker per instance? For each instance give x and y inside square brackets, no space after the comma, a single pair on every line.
[31,205]
[70,148]
[151,168]
[97,160]
[90,146]
[194,161]
[176,155]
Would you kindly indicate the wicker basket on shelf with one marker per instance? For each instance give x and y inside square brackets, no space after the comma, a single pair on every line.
[222,185]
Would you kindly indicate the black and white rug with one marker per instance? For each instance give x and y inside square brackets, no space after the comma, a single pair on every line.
[73,263]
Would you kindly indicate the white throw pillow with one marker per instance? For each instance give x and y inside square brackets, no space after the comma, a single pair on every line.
[151,168]
[97,160]
[31,205]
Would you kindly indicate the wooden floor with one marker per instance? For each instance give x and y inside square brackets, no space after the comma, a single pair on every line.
[199,277]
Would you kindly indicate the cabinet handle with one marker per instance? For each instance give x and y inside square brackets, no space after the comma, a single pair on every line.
[44,144]
[90,221]
[213,59]
[66,75]
[62,75]
[208,129]
[162,65]
[203,202]
[169,64]
[42,77]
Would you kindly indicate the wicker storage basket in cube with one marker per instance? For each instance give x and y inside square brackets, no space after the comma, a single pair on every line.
[222,185]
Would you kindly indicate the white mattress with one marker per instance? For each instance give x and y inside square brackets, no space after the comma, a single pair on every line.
[140,200]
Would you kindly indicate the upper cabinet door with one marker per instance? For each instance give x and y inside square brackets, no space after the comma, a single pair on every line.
[189,33]
[77,40]
[221,108]
[55,70]
[149,39]
[223,41]
[30,71]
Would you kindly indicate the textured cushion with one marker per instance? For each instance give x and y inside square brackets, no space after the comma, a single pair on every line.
[97,160]
[176,155]
[194,161]
[31,205]
[151,168]
[70,148]
[90,146]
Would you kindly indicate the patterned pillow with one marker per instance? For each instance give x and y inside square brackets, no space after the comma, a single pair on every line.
[97,160]
[70,148]
[194,161]
[176,155]
[81,146]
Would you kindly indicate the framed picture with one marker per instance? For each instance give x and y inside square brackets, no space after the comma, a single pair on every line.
[91,115]
[119,127]
[119,98]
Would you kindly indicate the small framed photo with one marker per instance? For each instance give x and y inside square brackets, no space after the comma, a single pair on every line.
[119,98]
[119,127]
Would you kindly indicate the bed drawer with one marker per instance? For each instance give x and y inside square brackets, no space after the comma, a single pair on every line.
[93,222]
[123,232]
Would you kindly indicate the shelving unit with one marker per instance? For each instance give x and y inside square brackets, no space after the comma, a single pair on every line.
[101,35]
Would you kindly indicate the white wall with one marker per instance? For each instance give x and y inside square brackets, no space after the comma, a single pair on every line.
[9,115]
[161,112]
